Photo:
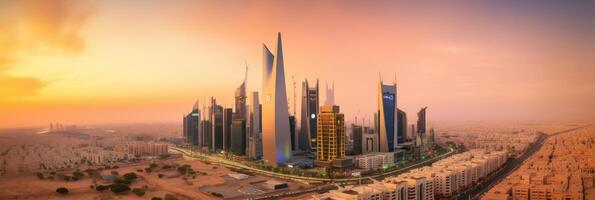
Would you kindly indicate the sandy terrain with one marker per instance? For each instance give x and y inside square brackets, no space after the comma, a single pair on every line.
[30,187]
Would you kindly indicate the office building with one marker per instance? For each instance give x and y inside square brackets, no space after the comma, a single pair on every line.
[370,143]
[238,136]
[331,134]
[293,135]
[217,126]
[387,117]
[401,126]
[241,98]
[227,119]
[421,121]
[275,124]
[191,126]
[255,134]
[309,114]
[357,134]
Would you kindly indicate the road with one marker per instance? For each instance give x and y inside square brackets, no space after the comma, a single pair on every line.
[476,191]
[304,179]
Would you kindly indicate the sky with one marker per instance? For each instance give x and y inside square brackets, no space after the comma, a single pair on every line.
[93,62]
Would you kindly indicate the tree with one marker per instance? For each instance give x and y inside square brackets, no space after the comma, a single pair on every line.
[130,176]
[101,188]
[138,191]
[62,190]
[119,188]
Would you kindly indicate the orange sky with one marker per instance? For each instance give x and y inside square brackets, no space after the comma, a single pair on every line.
[147,61]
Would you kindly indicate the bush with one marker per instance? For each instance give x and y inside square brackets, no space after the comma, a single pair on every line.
[40,176]
[138,191]
[156,198]
[217,194]
[170,197]
[62,190]
[153,165]
[122,181]
[130,176]
[101,188]
[119,188]
[115,173]
[78,174]
[139,170]
[160,175]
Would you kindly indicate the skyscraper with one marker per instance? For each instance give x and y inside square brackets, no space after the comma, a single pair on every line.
[240,99]
[357,134]
[401,126]
[292,133]
[387,117]
[227,119]
[421,121]
[330,95]
[309,114]
[255,134]
[191,127]
[217,126]
[331,134]
[275,123]
[238,136]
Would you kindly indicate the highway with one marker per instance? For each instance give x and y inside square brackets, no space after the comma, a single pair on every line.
[476,191]
[304,179]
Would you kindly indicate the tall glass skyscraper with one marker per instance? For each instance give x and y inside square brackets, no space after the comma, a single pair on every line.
[387,117]
[309,116]
[401,126]
[191,127]
[275,123]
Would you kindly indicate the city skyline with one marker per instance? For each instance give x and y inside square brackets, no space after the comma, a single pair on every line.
[90,67]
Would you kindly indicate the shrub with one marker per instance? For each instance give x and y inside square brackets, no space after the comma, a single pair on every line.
[153,165]
[119,188]
[160,175]
[139,170]
[130,176]
[122,181]
[156,198]
[170,197]
[40,176]
[115,173]
[217,194]
[62,190]
[101,188]
[78,174]
[138,191]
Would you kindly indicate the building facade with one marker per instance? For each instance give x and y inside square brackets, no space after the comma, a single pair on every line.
[309,114]
[387,117]
[275,114]
[331,134]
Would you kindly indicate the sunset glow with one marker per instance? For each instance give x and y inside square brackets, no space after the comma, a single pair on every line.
[89,62]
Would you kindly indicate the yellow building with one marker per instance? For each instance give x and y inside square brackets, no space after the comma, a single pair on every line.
[331,138]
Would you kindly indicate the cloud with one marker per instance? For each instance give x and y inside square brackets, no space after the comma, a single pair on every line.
[41,27]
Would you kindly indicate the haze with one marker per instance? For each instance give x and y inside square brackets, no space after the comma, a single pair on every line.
[84,62]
